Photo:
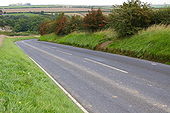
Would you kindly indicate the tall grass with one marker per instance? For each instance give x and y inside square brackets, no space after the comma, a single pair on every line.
[154,28]
[50,37]
[88,40]
[152,43]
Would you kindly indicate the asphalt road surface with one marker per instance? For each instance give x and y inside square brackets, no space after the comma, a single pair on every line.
[104,82]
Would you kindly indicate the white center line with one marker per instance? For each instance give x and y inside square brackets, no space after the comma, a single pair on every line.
[105,65]
[64,52]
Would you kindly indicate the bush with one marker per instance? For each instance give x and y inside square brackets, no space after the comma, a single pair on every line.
[61,24]
[74,24]
[162,16]
[44,28]
[94,20]
[57,26]
[129,18]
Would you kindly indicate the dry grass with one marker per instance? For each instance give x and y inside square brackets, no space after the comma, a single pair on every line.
[155,28]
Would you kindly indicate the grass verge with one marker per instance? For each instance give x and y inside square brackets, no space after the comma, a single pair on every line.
[24,88]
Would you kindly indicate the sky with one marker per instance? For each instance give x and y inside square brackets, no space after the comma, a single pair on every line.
[77,2]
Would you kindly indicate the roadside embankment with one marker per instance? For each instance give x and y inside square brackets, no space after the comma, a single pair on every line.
[151,44]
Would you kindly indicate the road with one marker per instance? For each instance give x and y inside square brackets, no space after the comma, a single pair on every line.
[104,82]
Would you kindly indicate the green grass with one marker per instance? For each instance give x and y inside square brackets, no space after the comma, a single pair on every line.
[16,34]
[87,40]
[50,38]
[24,88]
[152,43]
[5,33]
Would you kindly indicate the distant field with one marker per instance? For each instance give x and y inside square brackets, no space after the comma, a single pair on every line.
[32,6]
[56,6]
[27,14]
[50,10]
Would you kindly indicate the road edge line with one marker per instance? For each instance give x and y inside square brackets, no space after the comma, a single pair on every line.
[61,87]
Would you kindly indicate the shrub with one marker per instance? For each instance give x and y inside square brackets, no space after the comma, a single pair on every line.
[162,16]
[44,28]
[74,24]
[94,20]
[57,26]
[61,24]
[129,18]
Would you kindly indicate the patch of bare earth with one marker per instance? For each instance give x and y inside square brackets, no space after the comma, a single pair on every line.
[1,39]
[103,45]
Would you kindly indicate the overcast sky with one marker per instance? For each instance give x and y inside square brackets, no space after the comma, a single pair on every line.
[77,2]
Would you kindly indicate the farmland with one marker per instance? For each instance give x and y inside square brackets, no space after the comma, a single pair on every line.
[78,10]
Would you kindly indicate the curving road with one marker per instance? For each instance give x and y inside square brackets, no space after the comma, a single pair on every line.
[104,82]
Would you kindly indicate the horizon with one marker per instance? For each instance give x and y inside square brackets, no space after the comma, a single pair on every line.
[82,2]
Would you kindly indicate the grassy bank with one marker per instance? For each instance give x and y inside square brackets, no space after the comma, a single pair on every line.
[151,44]
[82,39]
[24,88]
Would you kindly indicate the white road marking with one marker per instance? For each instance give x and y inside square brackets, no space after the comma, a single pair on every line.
[105,65]
[154,64]
[114,96]
[64,52]
[62,88]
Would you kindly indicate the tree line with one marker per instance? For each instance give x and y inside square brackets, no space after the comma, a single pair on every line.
[126,19]
[23,23]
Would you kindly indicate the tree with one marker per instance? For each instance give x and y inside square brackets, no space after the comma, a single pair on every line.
[43,28]
[1,12]
[162,16]
[129,18]
[74,23]
[42,12]
[94,20]
[2,23]
[61,24]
